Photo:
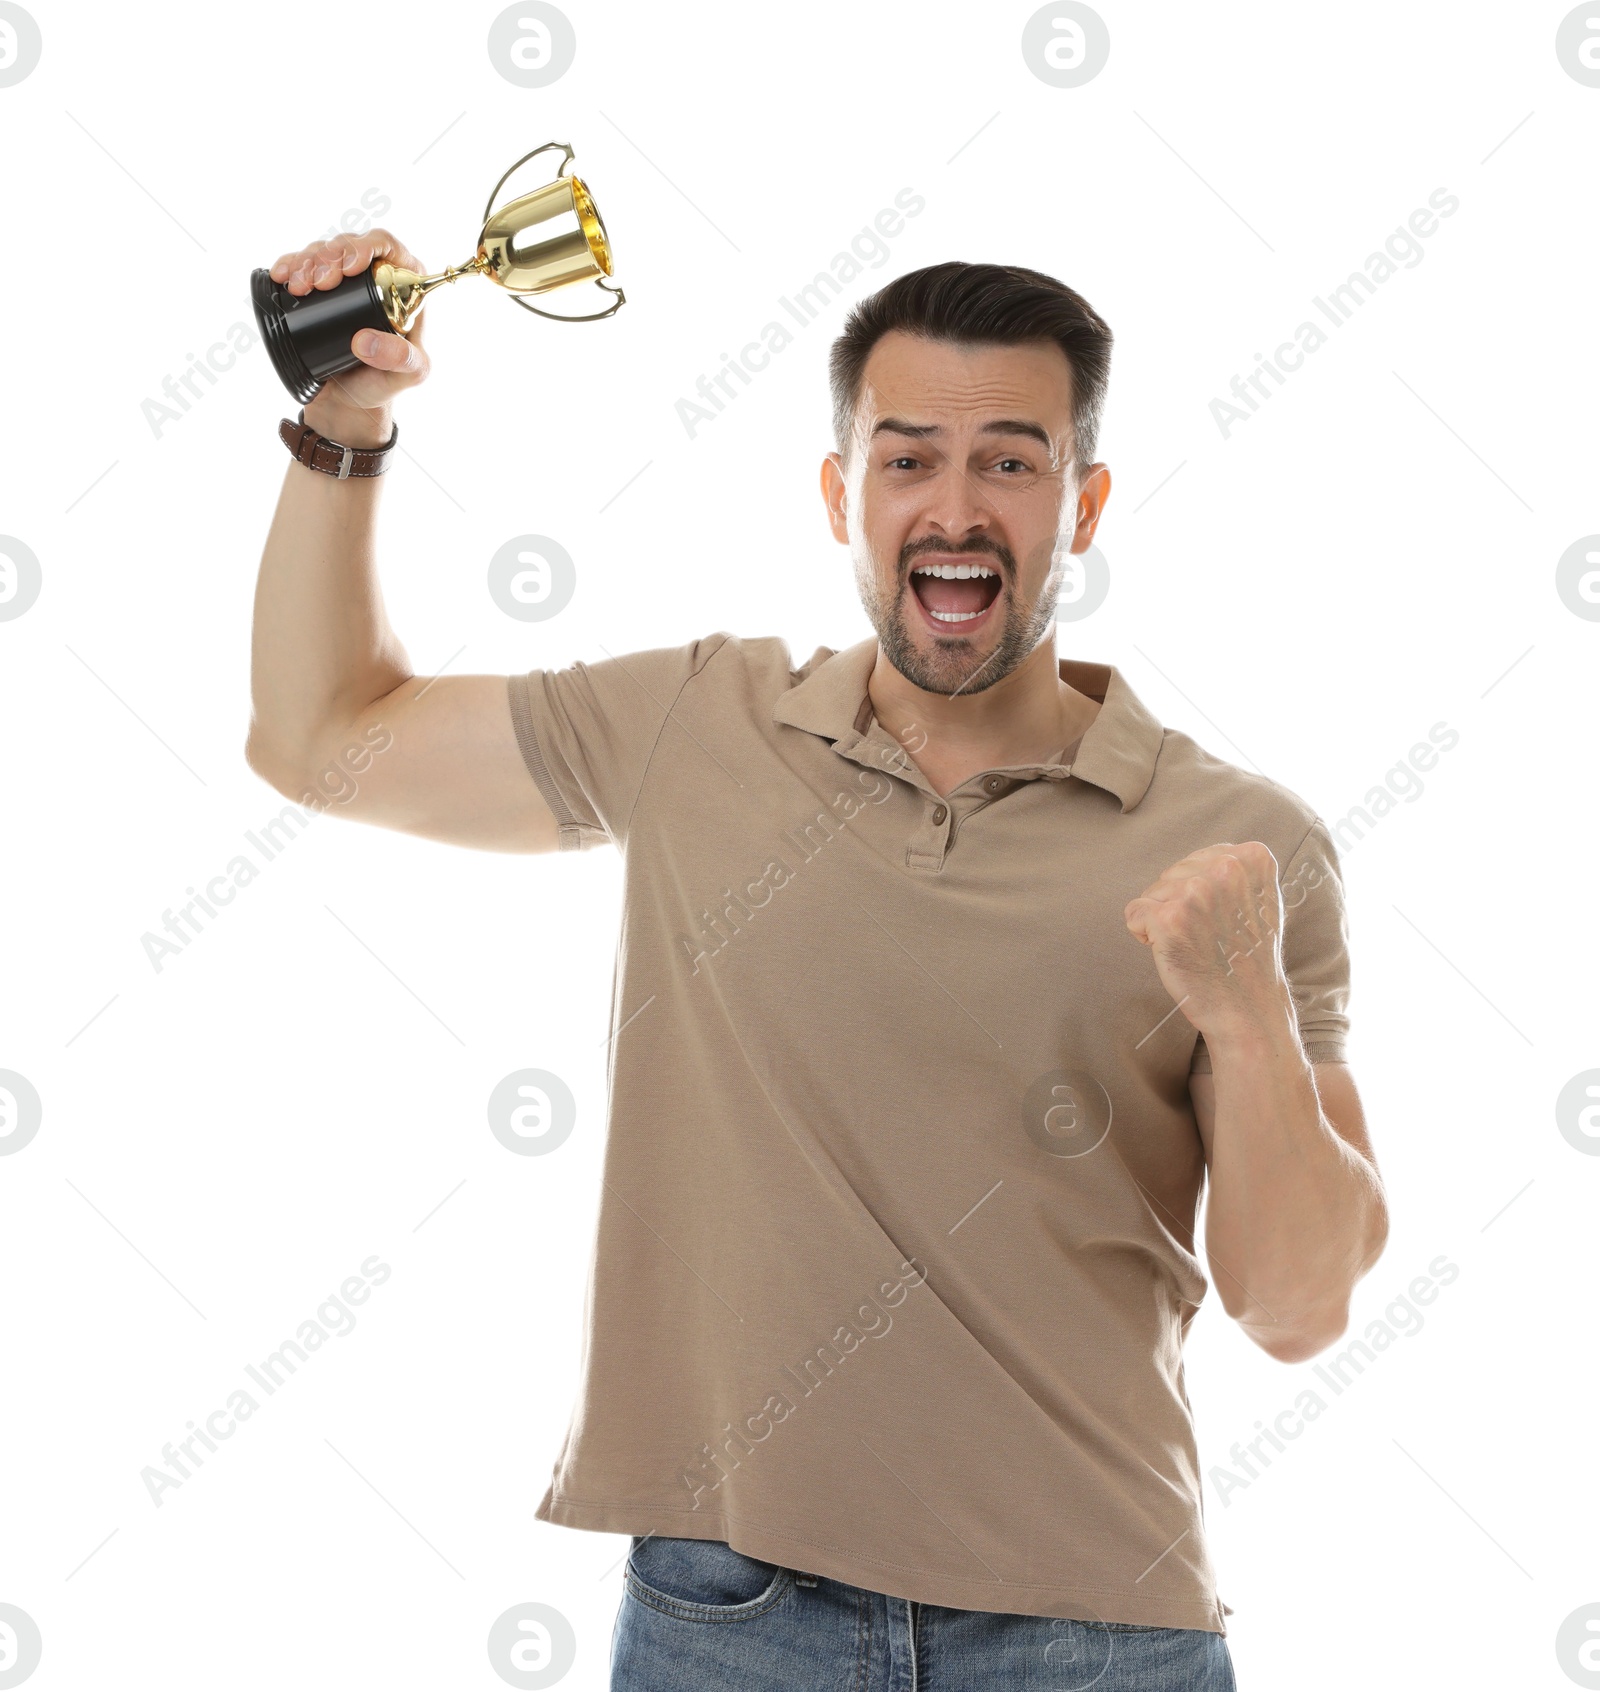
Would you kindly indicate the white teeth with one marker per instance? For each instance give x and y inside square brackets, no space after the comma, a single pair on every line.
[955,616]
[953,572]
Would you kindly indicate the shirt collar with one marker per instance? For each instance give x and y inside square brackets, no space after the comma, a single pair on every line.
[1118,750]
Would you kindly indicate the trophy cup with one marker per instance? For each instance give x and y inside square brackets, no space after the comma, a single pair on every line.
[308,335]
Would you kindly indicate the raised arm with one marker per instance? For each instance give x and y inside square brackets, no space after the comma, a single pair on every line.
[338,718]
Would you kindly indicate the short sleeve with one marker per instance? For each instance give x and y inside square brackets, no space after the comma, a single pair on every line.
[1316,949]
[587,733]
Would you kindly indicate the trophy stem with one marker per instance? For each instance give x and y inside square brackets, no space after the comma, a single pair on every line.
[450,273]
[403,292]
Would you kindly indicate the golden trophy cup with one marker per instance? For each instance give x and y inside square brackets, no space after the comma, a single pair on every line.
[308,335]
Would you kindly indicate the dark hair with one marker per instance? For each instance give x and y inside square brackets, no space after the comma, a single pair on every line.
[1001,304]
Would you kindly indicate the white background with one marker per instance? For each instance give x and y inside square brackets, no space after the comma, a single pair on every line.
[225,1140]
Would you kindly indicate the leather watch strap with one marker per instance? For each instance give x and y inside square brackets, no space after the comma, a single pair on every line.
[317,452]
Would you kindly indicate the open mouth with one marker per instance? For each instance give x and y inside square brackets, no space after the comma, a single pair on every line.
[955,597]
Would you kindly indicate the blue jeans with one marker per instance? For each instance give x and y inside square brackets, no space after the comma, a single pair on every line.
[698,1616]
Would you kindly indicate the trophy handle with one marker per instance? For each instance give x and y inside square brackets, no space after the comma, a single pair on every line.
[589,317]
[548,147]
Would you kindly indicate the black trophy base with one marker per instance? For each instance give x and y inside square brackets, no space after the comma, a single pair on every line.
[308,335]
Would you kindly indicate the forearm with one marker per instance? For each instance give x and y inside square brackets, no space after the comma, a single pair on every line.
[1295,1214]
[322,648]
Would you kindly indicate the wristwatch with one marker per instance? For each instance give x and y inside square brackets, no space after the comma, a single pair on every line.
[317,452]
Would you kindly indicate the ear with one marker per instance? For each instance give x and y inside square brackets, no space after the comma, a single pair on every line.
[833,497]
[1092,497]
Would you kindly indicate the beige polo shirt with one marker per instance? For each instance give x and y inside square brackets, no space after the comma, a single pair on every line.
[896,1243]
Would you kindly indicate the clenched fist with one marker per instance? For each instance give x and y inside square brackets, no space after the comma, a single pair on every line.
[1214,921]
[355,407]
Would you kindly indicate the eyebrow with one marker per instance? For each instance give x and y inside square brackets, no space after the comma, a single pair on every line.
[1001,426]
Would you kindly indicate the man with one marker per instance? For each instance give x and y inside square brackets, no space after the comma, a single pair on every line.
[950,977]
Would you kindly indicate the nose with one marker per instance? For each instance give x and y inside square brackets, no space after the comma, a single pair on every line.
[956,507]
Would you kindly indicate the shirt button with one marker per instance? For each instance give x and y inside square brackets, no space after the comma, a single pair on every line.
[939,813]
[994,784]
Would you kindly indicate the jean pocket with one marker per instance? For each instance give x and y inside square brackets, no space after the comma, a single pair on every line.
[702,1579]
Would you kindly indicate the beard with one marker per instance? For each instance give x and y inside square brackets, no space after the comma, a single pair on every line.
[955,663]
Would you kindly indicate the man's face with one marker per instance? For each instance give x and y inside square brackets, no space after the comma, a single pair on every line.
[957,488]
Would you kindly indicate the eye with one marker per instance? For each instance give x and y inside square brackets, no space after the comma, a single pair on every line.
[897,463]
[1020,463]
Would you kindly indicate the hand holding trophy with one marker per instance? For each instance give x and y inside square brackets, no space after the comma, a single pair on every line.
[354,285]
[355,405]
